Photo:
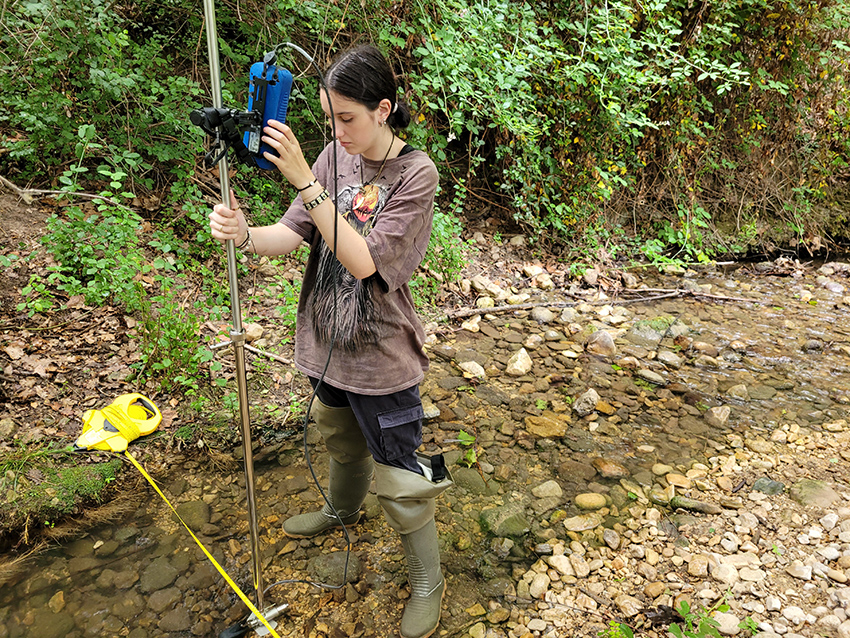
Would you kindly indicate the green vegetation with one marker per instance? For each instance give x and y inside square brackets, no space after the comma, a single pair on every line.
[606,131]
[38,490]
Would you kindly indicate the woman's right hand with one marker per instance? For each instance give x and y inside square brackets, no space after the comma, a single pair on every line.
[228,223]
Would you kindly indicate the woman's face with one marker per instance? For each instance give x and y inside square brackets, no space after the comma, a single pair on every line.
[358,128]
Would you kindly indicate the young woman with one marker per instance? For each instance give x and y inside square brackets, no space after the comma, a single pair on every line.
[356,304]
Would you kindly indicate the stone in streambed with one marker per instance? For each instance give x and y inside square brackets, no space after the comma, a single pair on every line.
[586,403]
[694,505]
[809,492]
[519,364]
[590,501]
[548,425]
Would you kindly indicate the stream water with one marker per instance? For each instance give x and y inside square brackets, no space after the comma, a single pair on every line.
[780,365]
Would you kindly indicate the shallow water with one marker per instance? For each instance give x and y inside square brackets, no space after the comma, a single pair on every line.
[145,577]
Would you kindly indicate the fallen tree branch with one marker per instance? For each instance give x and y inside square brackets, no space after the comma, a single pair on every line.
[28,194]
[666,294]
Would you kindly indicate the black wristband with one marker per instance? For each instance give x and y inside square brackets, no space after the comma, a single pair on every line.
[307,186]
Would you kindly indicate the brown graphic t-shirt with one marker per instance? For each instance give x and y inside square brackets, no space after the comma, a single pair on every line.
[377,337]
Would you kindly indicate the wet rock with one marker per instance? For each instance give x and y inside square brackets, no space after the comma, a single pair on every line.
[329,567]
[194,513]
[506,520]
[590,501]
[738,392]
[163,599]
[644,334]
[583,522]
[812,493]
[670,359]
[547,489]
[176,620]
[586,403]
[542,315]
[768,486]
[158,575]
[548,425]
[651,377]
[519,364]
[472,370]
[717,416]
[601,343]
[762,392]
[609,469]
[694,505]
[469,479]
[50,625]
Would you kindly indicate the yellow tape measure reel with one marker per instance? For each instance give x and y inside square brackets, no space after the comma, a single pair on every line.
[125,419]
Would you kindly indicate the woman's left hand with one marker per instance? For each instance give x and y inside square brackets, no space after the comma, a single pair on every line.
[289,159]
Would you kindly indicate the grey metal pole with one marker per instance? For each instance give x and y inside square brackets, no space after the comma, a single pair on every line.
[237,335]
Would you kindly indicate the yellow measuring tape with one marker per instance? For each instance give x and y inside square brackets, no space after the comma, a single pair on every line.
[124,420]
[220,569]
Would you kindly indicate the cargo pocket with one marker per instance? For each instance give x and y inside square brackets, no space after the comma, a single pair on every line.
[401,431]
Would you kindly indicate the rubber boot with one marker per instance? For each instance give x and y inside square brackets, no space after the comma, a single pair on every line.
[408,500]
[350,473]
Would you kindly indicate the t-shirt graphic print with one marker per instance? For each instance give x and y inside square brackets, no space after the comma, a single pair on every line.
[339,298]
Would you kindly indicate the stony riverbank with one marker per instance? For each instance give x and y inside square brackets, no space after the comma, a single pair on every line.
[633,448]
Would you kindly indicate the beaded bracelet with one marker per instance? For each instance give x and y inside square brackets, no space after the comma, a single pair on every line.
[318,200]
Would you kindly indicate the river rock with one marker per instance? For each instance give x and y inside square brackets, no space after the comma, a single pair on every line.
[651,377]
[717,416]
[469,479]
[670,359]
[727,623]
[768,486]
[609,469]
[724,573]
[694,505]
[176,620]
[562,564]
[586,403]
[611,538]
[519,364]
[542,315]
[50,625]
[329,567]
[548,489]
[194,513]
[601,343]
[548,425]
[507,520]
[590,501]
[812,493]
[583,522]
[158,575]
[472,370]
[629,605]
[738,392]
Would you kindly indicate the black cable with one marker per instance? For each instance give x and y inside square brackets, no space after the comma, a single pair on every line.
[331,345]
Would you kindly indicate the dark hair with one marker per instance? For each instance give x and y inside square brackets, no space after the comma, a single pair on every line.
[362,74]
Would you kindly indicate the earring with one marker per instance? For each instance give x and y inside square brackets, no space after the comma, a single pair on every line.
[382,122]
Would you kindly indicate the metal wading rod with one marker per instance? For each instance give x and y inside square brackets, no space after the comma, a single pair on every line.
[237,335]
